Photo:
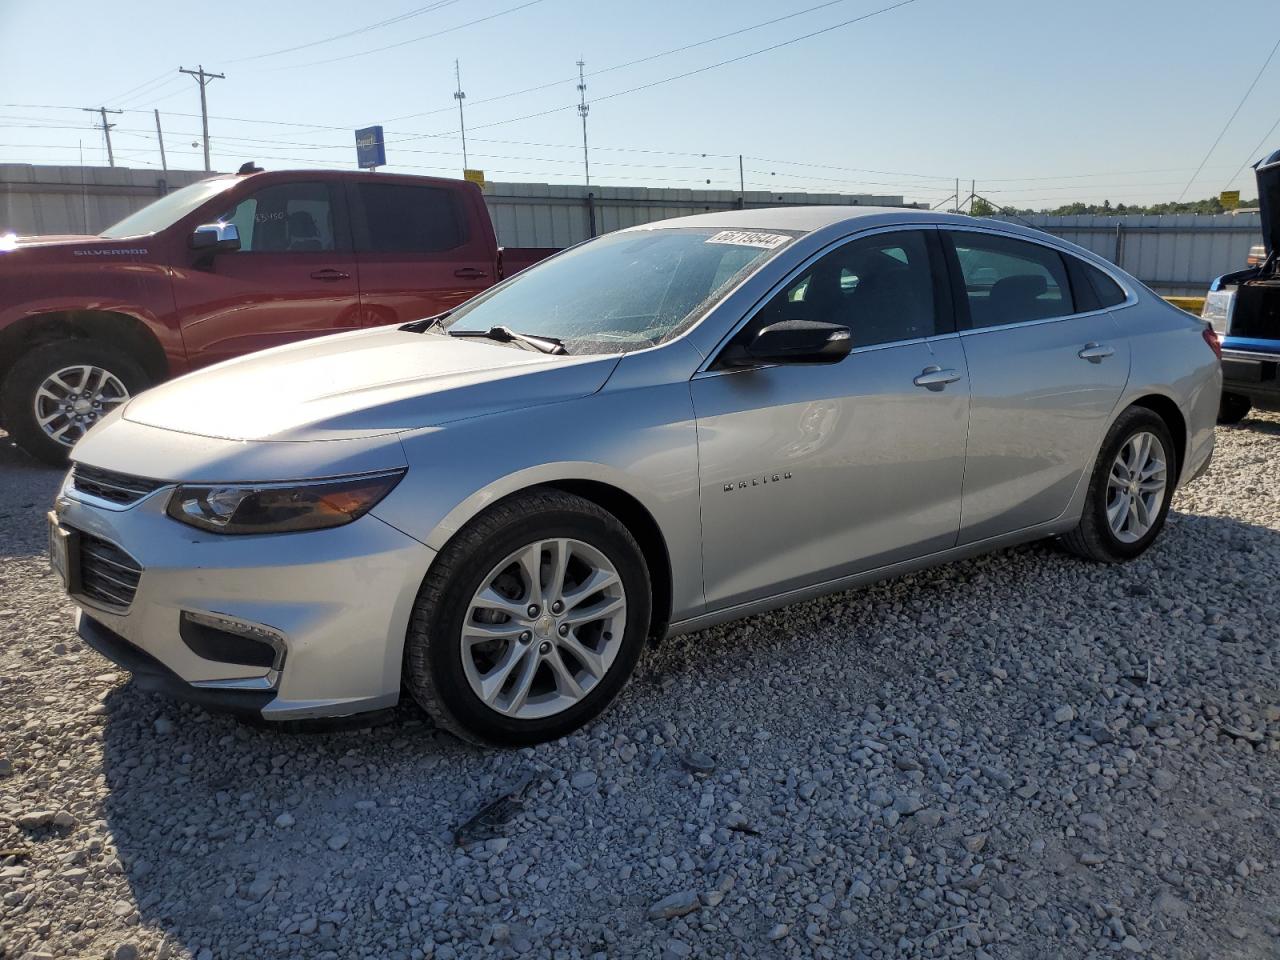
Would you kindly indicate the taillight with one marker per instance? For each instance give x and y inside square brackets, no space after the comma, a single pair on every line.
[1211,338]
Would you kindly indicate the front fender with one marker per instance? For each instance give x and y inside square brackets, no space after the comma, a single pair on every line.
[640,441]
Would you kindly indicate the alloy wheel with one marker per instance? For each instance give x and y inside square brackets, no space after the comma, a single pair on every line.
[1136,487]
[543,629]
[74,398]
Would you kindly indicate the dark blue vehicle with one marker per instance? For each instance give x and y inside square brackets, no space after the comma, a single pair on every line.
[1244,307]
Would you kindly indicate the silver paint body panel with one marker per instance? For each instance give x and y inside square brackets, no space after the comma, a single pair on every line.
[885,475]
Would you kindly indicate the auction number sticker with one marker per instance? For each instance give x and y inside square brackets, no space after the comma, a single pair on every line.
[749,238]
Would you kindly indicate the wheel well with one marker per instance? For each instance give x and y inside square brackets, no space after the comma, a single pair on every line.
[118,328]
[1168,411]
[645,529]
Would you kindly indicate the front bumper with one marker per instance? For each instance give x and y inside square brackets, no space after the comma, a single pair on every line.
[336,603]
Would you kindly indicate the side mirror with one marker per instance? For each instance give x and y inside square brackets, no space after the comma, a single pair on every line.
[792,341]
[217,237]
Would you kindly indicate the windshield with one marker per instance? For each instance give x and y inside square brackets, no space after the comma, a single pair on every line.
[624,291]
[168,209]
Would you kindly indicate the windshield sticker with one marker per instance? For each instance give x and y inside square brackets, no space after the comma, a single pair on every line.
[748,238]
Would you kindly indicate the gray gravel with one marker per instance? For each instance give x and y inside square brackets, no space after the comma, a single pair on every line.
[1022,755]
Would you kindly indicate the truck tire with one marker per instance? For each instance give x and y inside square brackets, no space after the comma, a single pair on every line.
[1233,407]
[57,391]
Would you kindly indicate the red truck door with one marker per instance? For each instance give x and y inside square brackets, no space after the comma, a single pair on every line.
[421,248]
[294,275]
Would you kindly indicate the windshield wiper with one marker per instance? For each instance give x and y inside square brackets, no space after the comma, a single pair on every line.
[507,335]
[426,323]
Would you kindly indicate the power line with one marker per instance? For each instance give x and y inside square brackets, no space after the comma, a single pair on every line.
[1254,152]
[425,36]
[167,75]
[1222,132]
[351,33]
[629,63]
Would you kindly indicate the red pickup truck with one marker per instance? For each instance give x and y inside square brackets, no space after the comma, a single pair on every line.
[223,267]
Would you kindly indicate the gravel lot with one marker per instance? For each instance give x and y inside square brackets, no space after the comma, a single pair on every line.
[1018,756]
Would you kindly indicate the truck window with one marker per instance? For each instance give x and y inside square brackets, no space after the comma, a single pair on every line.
[398,218]
[287,218]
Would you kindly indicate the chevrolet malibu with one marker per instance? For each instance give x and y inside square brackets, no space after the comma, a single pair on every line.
[665,428]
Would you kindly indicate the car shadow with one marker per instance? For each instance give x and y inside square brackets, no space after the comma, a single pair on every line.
[213,819]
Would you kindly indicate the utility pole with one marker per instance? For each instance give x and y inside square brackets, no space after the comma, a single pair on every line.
[164,165]
[973,188]
[583,110]
[742,181]
[957,209]
[462,123]
[106,129]
[203,78]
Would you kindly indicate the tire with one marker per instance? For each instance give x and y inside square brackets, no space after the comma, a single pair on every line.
[1094,538]
[442,678]
[35,368]
[1233,407]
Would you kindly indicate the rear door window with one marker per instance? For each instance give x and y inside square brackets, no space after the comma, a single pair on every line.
[399,218]
[1010,281]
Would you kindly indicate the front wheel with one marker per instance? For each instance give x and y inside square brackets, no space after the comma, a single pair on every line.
[529,622]
[56,392]
[1129,492]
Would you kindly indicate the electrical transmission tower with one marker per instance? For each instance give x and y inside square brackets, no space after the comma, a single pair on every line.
[106,129]
[583,110]
[203,78]
[462,123]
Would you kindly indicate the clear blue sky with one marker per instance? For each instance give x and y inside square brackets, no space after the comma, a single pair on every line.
[1039,102]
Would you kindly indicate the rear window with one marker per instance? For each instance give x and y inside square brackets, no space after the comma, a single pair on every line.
[397,218]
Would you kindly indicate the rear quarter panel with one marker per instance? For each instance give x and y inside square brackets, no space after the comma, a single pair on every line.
[1170,358]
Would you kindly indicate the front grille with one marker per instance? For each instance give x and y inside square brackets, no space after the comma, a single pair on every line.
[109,485]
[107,574]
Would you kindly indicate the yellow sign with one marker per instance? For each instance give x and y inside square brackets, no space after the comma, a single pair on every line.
[477,177]
[1230,199]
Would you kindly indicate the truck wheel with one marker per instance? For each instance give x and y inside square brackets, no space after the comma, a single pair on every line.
[57,391]
[1233,408]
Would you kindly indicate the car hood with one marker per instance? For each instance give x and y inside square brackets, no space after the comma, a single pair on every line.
[1268,173]
[363,384]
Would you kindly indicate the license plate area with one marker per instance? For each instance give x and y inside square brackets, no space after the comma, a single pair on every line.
[64,554]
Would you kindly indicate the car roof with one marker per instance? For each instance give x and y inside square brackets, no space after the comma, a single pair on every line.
[807,219]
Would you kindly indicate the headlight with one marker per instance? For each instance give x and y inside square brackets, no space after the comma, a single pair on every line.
[280,507]
[1218,305]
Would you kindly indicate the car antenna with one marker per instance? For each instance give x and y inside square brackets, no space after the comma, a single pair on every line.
[249,167]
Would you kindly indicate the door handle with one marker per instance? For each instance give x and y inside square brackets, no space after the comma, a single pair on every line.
[1095,352]
[935,378]
[469,273]
[330,274]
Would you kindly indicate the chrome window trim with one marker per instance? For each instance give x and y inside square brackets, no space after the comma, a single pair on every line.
[1131,298]
[704,367]
[856,351]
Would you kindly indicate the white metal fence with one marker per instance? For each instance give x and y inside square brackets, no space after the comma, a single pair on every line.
[1175,254]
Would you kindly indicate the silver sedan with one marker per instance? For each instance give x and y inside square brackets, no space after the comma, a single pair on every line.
[671,426]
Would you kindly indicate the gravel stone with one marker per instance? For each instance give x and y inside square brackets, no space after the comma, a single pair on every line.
[880,773]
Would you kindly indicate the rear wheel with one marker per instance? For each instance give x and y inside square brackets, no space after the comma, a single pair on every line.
[57,391]
[1129,492]
[1233,407]
[529,622]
